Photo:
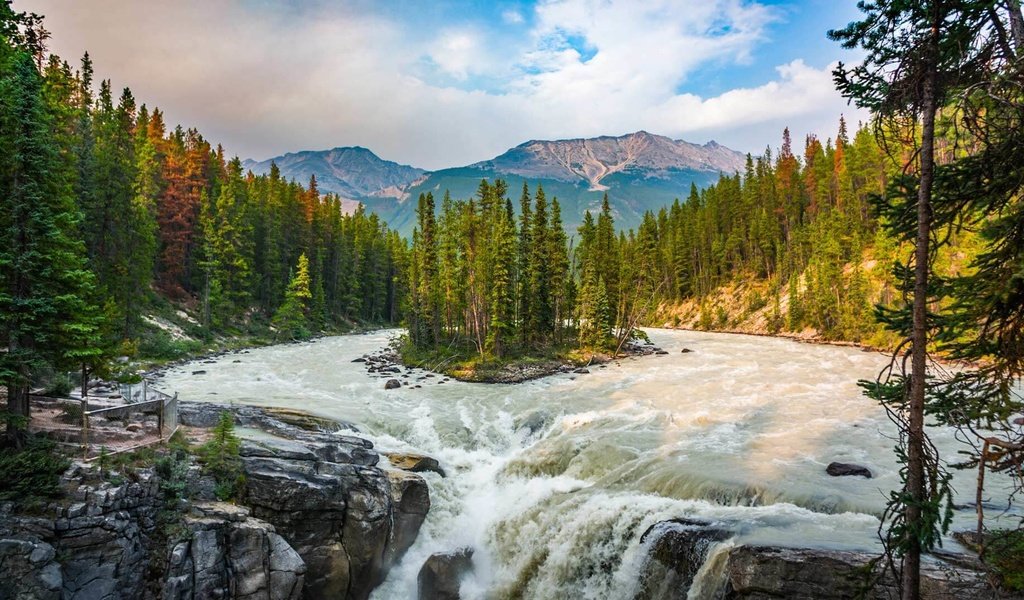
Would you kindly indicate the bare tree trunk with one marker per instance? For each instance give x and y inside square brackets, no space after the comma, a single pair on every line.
[911,578]
[1016,24]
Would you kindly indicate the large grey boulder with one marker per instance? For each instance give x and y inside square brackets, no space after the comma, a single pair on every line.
[440,577]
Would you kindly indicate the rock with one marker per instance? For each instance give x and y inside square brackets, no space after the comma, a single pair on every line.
[417,463]
[200,372]
[534,422]
[581,370]
[411,498]
[685,351]
[441,574]
[359,360]
[392,384]
[349,520]
[228,554]
[756,572]
[838,469]
[30,569]
[676,551]
[659,351]
[283,422]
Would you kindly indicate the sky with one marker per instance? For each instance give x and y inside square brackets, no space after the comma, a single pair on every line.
[442,83]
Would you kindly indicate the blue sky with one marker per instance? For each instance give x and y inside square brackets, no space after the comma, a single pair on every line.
[444,83]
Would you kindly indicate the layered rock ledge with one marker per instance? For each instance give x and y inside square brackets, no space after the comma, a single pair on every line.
[320,516]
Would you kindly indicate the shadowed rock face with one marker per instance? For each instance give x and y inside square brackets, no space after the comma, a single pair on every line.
[676,551]
[594,159]
[319,519]
[226,550]
[441,574]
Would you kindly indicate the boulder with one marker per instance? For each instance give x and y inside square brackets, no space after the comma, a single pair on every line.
[838,469]
[417,463]
[441,575]
[676,549]
[392,384]
[685,351]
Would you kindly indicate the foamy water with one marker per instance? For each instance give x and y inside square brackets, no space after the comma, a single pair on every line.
[739,431]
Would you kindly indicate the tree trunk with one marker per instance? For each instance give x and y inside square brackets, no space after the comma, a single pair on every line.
[911,578]
[1016,24]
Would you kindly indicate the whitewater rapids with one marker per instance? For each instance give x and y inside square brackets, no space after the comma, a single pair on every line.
[738,431]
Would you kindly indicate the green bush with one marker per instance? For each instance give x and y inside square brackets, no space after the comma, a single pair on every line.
[1005,554]
[220,457]
[173,471]
[33,472]
[159,345]
[60,386]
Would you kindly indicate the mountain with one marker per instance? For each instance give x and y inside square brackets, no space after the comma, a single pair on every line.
[351,172]
[639,154]
[639,172]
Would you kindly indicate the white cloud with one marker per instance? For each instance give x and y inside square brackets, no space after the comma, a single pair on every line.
[512,17]
[328,76]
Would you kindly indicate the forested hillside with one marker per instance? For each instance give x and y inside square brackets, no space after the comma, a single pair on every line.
[122,235]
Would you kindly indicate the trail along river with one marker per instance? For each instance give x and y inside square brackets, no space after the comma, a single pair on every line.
[737,431]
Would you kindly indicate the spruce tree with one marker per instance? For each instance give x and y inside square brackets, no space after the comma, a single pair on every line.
[292,319]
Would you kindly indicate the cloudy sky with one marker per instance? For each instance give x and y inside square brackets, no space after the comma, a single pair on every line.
[438,83]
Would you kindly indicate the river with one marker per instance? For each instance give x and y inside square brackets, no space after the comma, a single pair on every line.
[738,431]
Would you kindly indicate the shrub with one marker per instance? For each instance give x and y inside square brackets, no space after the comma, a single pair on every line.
[1005,554]
[33,472]
[220,457]
[60,386]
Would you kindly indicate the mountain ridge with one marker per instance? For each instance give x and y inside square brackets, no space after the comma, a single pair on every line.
[639,171]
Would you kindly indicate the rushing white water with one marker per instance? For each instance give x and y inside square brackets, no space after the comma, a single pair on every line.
[739,431]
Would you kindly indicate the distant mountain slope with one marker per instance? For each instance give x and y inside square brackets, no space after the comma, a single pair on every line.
[593,160]
[639,172]
[352,172]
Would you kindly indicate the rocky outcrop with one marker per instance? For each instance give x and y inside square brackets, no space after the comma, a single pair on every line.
[319,519]
[416,463]
[29,570]
[287,423]
[756,572]
[676,550]
[228,554]
[349,520]
[440,577]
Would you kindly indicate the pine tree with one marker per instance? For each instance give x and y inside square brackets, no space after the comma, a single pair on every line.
[917,54]
[292,319]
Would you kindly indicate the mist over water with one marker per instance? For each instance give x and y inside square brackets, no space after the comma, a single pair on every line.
[739,432]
